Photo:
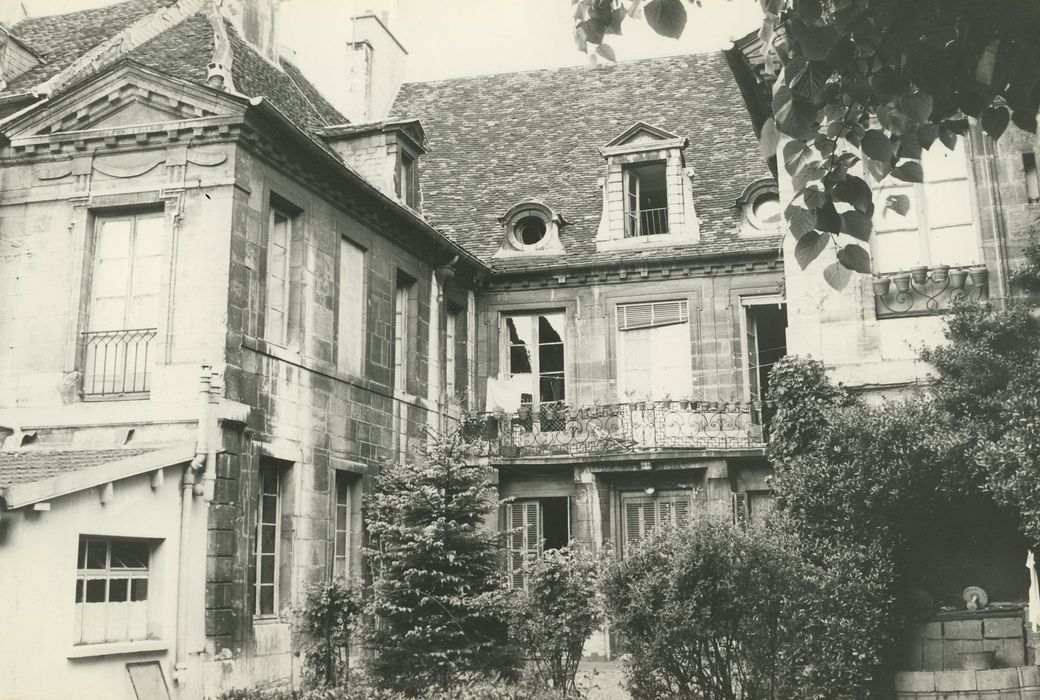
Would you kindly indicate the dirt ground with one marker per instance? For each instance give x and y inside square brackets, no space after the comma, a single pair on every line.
[602,680]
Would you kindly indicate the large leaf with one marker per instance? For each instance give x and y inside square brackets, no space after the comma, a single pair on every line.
[768,139]
[995,120]
[917,106]
[814,197]
[815,40]
[809,247]
[796,156]
[801,222]
[794,114]
[855,258]
[810,173]
[854,191]
[909,171]
[837,276]
[856,224]
[666,17]
[877,145]
[828,219]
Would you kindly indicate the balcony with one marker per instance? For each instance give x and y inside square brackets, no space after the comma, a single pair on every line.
[646,222]
[117,364]
[924,291]
[617,428]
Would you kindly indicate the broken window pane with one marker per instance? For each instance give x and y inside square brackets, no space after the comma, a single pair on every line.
[129,555]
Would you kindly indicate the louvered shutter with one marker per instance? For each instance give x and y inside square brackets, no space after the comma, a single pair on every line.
[525,539]
[681,508]
[652,314]
[664,514]
[740,508]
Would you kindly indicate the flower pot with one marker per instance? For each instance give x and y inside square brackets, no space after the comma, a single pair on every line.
[957,278]
[882,285]
[902,281]
[940,273]
[978,660]
[979,276]
[919,273]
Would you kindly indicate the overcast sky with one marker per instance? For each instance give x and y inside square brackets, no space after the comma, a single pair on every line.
[449,38]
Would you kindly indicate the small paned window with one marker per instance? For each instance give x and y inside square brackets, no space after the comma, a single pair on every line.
[646,199]
[341,546]
[267,535]
[450,340]
[112,590]
[535,357]
[276,325]
[408,179]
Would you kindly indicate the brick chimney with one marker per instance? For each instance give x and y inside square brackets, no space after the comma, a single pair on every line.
[375,68]
[257,23]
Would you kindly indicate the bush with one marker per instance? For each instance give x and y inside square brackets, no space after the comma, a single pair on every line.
[329,617]
[440,615]
[717,611]
[362,688]
[557,613]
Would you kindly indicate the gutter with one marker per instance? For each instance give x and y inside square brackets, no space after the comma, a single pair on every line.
[269,110]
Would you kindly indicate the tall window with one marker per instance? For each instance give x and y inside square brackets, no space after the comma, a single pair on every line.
[124,305]
[646,199]
[403,313]
[535,525]
[266,537]
[643,513]
[450,340]
[342,507]
[279,239]
[939,224]
[111,590]
[408,179]
[654,349]
[351,316]
[535,356]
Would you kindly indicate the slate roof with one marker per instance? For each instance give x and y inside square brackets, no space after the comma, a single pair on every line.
[496,140]
[26,466]
[183,51]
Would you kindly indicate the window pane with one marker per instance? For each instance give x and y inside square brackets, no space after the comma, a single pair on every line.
[267,600]
[949,203]
[79,590]
[267,539]
[266,569]
[940,163]
[97,554]
[520,330]
[519,360]
[550,358]
[96,590]
[550,328]
[81,555]
[957,245]
[113,239]
[897,251]
[551,388]
[139,589]
[129,555]
[886,218]
[148,238]
[118,590]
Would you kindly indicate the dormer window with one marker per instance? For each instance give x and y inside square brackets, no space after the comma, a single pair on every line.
[647,193]
[531,228]
[760,203]
[407,181]
[646,199]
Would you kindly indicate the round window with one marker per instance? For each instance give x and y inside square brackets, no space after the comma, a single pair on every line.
[766,210]
[530,230]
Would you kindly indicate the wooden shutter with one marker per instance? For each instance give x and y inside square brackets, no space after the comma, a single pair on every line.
[652,314]
[525,523]
[741,515]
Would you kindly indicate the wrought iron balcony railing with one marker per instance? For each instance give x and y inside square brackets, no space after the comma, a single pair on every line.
[928,290]
[117,363]
[647,222]
[628,427]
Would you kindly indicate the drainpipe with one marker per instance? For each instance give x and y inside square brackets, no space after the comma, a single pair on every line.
[197,464]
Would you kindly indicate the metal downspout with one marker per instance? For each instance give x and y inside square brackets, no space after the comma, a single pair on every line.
[197,464]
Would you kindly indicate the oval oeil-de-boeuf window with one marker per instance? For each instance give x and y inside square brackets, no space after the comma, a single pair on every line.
[529,231]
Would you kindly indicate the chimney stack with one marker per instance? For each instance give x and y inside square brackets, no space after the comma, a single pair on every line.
[256,22]
[375,68]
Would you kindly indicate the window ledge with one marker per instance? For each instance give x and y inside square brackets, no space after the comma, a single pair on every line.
[663,240]
[144,646]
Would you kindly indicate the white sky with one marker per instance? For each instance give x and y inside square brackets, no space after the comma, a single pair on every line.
[450,38]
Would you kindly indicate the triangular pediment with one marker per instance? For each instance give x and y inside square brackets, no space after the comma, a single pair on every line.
[640,133]
[127,95]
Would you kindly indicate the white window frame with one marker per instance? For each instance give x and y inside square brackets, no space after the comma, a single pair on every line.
[746,332]
[108,574]
[536,373]
[350,342]
[276,554]
[342,517]
[277,331]
[451,321]
[128,294]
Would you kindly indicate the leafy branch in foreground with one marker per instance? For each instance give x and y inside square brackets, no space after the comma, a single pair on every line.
[865,87]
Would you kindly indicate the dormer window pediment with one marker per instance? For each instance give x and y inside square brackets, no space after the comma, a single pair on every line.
[530,228]
[648,191]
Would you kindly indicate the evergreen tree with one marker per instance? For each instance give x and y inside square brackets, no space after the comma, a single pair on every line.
[436,599]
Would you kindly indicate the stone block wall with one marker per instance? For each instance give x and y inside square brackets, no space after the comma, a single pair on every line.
[938,645]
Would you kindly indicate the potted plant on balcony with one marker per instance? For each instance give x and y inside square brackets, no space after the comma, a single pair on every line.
[902,281]
[957,278]
[940,273]
[979,275]
[881,285]
[919,273]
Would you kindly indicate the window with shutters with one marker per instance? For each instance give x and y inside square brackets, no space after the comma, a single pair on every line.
[119,342]
[929,223]
[646,199]
[642,514]
[534,525]
[654,350]
[276,311]
[764,341]
[535,355]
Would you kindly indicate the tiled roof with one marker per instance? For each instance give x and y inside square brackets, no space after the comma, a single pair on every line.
[496,140]
[26,466]
[183,51]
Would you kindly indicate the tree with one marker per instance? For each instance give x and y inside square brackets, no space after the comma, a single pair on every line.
[867,83]
[436,601]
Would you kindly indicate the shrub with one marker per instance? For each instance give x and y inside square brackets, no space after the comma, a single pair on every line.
[329,617]
[557,613]
[722,612]
[362,688]
[440,616]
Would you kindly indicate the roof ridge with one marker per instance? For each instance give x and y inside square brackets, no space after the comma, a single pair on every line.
[579,67]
